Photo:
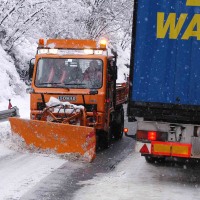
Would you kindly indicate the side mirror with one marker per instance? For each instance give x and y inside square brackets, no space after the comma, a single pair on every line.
[29,90]
[31,67]
[112,70]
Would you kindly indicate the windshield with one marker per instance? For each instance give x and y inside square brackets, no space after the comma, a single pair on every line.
[69,73]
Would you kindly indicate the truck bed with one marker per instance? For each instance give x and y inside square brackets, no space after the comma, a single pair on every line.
[121,93]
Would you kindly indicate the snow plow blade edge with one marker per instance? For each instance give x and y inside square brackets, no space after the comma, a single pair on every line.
[62,138]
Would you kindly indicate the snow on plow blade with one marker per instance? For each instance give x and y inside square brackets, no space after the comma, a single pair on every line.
[63,138]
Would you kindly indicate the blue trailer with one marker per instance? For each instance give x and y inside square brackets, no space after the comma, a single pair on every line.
[164,96]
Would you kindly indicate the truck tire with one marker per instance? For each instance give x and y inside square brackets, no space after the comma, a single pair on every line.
[108,138]
[118,124]
[105,139]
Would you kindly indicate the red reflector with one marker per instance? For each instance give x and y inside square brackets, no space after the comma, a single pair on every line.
[152,135]
[94,112]
[125,130]
[9,104]
[95,115]
[107,100]
[144,149]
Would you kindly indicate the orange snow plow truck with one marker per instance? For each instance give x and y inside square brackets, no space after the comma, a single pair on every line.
[75,101]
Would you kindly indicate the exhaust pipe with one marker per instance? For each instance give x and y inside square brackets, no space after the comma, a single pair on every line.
[4,114]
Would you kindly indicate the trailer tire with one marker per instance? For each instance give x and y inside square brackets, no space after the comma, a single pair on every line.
[118,124]
[151,159]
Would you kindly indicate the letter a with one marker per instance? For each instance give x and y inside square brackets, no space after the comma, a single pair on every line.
[193,3]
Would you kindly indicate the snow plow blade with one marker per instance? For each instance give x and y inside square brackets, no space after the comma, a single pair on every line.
[62,138]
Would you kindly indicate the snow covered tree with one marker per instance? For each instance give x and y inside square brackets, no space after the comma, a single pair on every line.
[21,20]
[109,18]
[17,18]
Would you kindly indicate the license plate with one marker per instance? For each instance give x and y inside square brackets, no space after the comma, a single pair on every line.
[67,98]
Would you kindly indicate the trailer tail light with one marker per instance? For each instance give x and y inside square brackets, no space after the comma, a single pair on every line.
[141,135]
[147,136]
[152,135]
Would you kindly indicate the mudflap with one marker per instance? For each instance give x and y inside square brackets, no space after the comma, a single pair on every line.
[62,138]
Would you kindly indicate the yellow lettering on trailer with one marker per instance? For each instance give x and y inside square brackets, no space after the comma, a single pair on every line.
[170,24]
[190,31]
[174,28]
[193,3]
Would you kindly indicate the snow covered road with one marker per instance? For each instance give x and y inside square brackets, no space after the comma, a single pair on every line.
[21,171]
[31,176]
[135,179]
[117,173]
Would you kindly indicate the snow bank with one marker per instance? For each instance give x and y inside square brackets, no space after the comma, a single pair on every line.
[11,86]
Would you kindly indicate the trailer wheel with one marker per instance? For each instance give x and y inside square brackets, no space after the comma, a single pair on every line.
[151,159]
[118,124]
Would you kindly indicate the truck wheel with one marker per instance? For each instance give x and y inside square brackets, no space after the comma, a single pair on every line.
[105,139]
[119,125]
[108,137]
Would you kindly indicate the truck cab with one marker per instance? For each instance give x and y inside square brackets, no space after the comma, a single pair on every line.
[79,72]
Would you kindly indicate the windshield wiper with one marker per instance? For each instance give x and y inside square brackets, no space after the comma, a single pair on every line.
[61,85]
[74,84]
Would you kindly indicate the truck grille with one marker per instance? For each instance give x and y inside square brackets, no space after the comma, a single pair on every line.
[40,106]
[88,107]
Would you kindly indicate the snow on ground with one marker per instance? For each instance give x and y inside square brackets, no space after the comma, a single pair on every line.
[134,179]
[19,169]
[20,172]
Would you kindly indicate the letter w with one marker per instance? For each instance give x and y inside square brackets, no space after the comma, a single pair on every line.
[170,24]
